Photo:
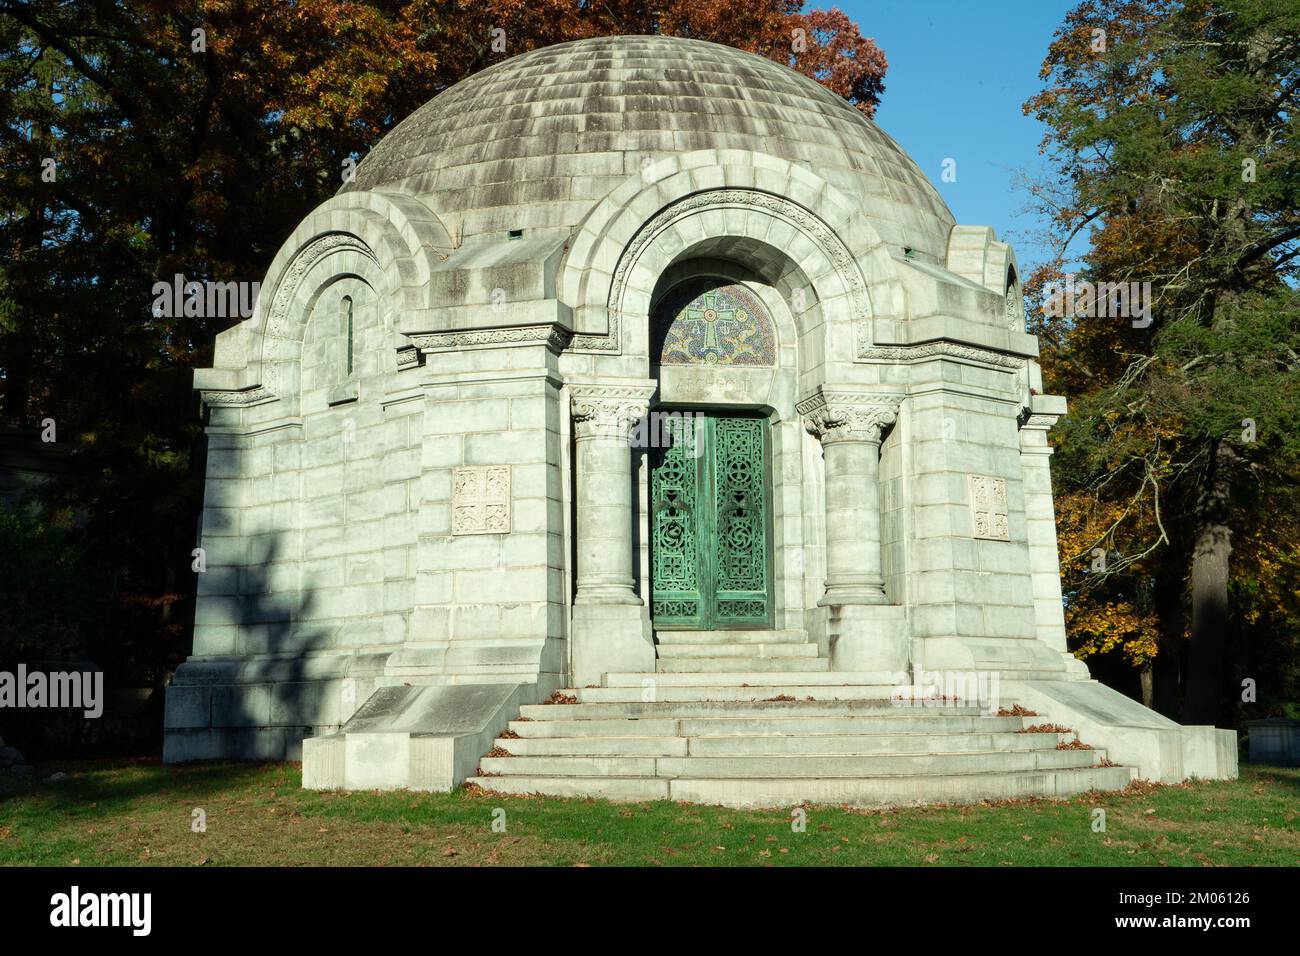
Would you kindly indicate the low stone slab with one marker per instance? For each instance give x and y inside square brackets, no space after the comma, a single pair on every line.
[1160,749]
[427,737]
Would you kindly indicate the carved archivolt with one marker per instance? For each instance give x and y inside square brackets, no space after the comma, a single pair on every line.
[769,203]
[395,239]
[281,346]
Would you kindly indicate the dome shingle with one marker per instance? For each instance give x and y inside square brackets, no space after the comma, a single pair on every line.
[538,139]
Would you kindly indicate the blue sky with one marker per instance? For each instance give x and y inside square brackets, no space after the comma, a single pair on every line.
[959,71]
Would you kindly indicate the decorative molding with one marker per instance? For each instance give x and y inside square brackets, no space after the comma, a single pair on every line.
[480,499]
[408,356]
[904,354]
[832,415]
[255,395]
[988,507]
[549,334]
[1039,422]
[792,213]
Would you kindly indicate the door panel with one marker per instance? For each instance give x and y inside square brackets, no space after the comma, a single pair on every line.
[710,539]
[740,509]
[676,536]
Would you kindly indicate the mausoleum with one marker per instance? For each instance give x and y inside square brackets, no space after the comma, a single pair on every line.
[647,377]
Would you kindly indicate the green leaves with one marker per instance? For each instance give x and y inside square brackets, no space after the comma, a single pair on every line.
[1180,139]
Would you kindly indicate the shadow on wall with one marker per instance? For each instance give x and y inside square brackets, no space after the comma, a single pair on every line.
[265,692]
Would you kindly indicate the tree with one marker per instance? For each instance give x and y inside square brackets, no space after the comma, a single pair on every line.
[140,139]
[1172,129]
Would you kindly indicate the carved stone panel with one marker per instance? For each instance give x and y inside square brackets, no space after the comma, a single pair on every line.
[480,500]
[988,507]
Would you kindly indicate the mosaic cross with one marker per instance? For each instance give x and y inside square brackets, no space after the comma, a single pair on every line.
[708,318]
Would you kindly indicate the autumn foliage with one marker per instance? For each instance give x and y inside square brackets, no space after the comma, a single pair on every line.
[145,138]
[1175,163]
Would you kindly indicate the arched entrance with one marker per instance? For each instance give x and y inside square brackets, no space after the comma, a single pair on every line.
[710,492]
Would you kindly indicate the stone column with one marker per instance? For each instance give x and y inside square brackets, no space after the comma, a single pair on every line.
[865,632]
[611,623]
[849,427]
[1040,527]
[603,418]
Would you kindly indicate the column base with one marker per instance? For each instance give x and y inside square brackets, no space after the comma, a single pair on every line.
[869,638]
[612,594]
[611,638]
[848,596]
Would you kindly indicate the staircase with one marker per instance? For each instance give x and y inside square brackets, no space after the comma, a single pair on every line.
[756,718]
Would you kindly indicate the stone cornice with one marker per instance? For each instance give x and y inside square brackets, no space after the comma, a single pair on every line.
[408,356]
[907,354]
[554,336]
[1042,412]
[237,398]
[1038,422]
[838,415]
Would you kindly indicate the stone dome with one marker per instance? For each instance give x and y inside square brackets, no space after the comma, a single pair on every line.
[536,141]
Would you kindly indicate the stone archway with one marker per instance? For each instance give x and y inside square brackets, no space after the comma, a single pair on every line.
[817,280]
[769,213]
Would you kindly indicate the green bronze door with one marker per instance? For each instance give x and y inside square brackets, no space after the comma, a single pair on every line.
[710,534]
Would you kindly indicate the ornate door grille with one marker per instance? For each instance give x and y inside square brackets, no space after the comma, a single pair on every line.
[710,533]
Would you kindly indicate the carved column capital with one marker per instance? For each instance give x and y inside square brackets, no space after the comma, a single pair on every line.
[608,410]
[1036,419]
[832,415]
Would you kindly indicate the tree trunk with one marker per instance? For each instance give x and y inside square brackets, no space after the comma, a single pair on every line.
[1211,550]
[1171,616]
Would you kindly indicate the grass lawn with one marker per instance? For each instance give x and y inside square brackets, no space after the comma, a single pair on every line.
[132,812]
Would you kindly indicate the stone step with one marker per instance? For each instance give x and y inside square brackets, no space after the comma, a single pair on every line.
[731,637]
[739,745]
[792,765]
[663,745]
[729,708]
[736,745]
[854,791]
[761,651]
[728,665]
[887,723]
[740,678]
[757,692]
